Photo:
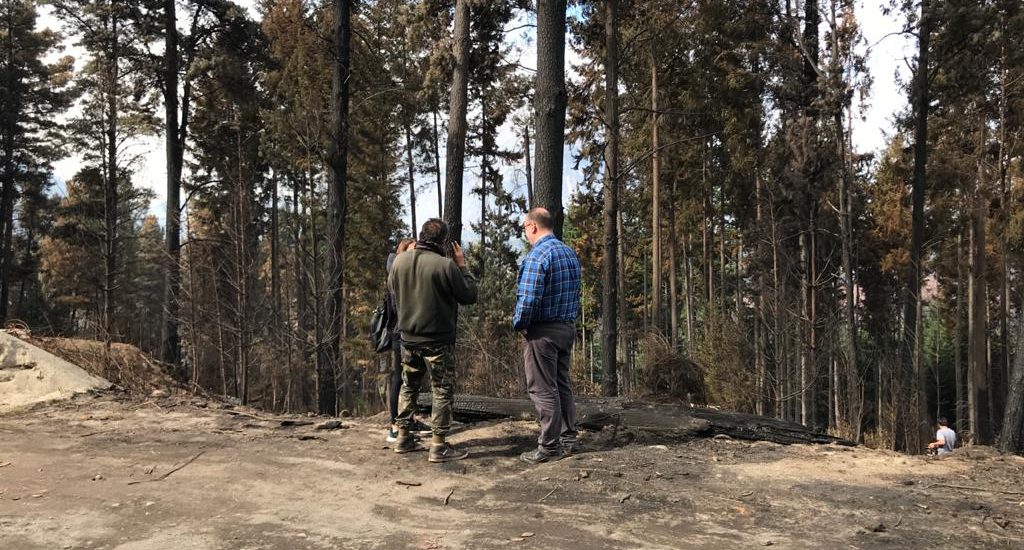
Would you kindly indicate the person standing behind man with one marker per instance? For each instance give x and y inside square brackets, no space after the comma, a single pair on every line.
[395,377]
[428,288]
[547,302]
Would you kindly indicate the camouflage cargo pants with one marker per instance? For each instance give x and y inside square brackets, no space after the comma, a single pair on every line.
[439,361]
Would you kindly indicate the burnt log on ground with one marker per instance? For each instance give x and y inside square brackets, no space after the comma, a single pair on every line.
[677,422]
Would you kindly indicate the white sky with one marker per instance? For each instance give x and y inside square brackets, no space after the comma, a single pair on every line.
[888,57]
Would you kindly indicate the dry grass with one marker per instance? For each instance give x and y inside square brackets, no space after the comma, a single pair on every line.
[667,375]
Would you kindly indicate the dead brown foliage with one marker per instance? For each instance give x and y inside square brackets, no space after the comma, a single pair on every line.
[668,375]
[125,365]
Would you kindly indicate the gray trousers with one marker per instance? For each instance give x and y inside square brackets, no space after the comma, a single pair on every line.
[546,354]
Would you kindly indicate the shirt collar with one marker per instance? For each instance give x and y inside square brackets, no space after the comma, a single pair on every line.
[544,238]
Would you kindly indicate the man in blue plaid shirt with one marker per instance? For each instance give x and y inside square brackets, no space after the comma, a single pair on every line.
[548,300]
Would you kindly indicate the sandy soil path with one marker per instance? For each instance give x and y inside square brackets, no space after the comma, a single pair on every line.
[69,476]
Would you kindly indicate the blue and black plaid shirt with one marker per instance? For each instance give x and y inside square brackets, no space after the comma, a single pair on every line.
[549,285]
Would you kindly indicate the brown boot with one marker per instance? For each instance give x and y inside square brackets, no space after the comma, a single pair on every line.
[444,452]
[407,443]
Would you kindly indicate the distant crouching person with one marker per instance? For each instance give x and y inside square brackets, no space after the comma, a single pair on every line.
[548,299]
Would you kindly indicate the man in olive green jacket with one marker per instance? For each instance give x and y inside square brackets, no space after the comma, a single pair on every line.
[428,288]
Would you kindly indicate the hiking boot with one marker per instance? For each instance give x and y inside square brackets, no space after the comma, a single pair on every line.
[570,447]
[407,444]
[446,453]
[418,427]
[539,455]
[391,435]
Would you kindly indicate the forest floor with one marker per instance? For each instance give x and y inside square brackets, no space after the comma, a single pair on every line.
[108,472]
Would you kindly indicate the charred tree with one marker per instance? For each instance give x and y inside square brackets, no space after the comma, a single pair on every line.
[170,350]
[656,256]
[529,167]
[977,307]
[412,175]
[549,101]
[911,361]
[1013,416]
[110,185]
[457,126]
[328,370]
[610,282]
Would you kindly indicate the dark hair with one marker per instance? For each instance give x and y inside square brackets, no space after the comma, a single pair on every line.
[434,231]
[943,421]
[542,217]
[404,245]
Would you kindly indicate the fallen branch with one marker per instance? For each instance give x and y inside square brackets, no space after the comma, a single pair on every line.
[408,483]
[660,420]
[171,471]
[250,415]
[90,434]
[283,423]
[449,497]
[969,488]
[551,492]
[288,423]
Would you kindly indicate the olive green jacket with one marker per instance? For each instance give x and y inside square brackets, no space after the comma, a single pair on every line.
[428,289]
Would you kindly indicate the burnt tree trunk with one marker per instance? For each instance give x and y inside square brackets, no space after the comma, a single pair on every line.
[110,190]
[457,104]
[664,421]
[6,219]
[7,195]
[656,265]
[529,167]
[338,162]
[760,332]
[854,413]
[436,143]
[1013,415]
[242,270]
[549,102]
[275,251]
[170,349]
[805,345]
[610,282]
[911,359]
[1004,198]
[958,368]
[412,176]
[673,270]
[977,308]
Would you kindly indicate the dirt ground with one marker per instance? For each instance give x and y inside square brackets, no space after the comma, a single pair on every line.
[70,476]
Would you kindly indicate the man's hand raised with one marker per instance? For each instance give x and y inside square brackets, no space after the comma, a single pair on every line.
[458,256]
